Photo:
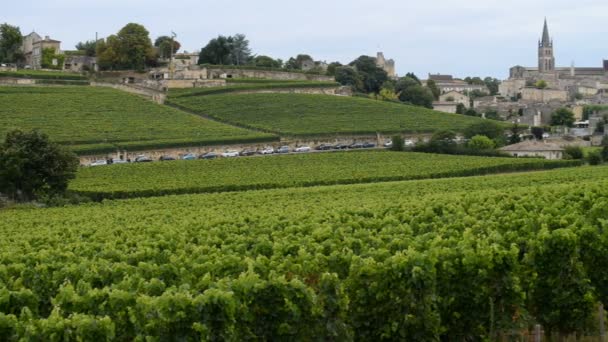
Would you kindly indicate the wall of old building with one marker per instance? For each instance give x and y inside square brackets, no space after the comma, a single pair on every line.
[544,95]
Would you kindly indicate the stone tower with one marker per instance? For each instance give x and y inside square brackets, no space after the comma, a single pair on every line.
[546,60]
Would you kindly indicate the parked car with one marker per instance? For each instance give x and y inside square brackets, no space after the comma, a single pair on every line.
[302,149]
[356,145]
[283,149]
[247,152]
[119,161]
[368,145]
[230,153]
[340,147]
[267,150]
[388,144]
[166,158]
[142,159]
[324,147]
[209,155]
[409,142]
[189,156]
[99,162]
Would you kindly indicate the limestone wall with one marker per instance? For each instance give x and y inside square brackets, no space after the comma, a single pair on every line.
[154,95]
[543,95]
[17,81]
[342,91]
[265,74]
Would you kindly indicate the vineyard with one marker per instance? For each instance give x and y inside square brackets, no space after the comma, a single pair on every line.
[306,114]
[179,177]
[100,119]
[450,259]
[242,85]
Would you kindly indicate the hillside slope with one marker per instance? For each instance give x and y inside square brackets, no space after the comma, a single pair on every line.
[101,119]
[307,115]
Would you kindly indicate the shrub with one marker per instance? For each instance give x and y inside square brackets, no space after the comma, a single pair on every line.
[573,152]
[594,158]
[481,142]
[398,144]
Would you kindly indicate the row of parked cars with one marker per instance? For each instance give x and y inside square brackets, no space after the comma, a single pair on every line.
[234,153]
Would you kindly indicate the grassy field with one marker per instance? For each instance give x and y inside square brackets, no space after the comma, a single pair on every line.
[43,74]
[100,119]
[306,115]
[292,264]
[153,179]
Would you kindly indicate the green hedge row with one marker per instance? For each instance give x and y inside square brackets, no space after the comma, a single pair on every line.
[534,164]
[43,75]
[251,87]
[63,82]
[252,67]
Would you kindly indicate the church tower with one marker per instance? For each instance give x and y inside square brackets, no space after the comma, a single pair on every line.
[546,60]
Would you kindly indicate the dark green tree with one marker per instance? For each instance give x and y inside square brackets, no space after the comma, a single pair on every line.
[240,53]
[411,91]
[217,51]
[460,108]
[471,112]
[32,166]
[490,129]
[371,75]
[397,143]
[10,44]
[573,152]
[332,67]
[537,132]
[562,117]
[414,77]
[349,77]
[434,89]
[89,47]
[492,85]
[130,48]
[163,43]
[514,134]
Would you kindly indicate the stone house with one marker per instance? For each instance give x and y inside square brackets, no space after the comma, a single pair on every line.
[534,148]
[76,63]
[454,96]
[39,46]
[447,83]
[27,46]
[446,107]
[544,95]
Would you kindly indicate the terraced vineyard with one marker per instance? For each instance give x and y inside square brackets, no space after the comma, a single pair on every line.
[463,258]
[177,177]
[100,119]
[306,115]
[244,85]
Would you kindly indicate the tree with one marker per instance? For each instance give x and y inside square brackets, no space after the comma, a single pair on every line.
[487,128]
[217,51]
[266,62]
[414,77]
[297,62]
[397,143]
[130,48]
[460,108]
[349,77]
[386,94]
[492,85]
[562,117]
[537,132]
[372,76]
[51,59]
[541,84]
[573,152]
[411,91]
[10,44]
[89,47]
[514,136]
[471,112]
[165,49]
[332,67]
[444,138]
[481,142]
[32,166]
[240,53]
[594,157]
[434,89]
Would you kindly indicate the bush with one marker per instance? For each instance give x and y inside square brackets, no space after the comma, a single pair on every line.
[573,152]
[398,144]
[481,142]
[594,158]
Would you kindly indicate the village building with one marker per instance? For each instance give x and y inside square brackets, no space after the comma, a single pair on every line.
[456,97]
[447,83]
[534,148]
[445,106]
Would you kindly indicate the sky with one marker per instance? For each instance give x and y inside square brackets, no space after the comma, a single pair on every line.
[458,37]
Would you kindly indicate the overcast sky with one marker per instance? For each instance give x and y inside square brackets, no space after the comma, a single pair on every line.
[460,37]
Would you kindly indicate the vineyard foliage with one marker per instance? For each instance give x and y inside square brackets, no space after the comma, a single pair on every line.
[307,114]
[94,119]
[251,85]
[180,177]
[456,259]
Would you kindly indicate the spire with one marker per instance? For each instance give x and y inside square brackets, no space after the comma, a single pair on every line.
[546,41]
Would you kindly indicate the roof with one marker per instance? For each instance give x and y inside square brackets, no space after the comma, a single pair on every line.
[532,146]
[439,77]
[546,41]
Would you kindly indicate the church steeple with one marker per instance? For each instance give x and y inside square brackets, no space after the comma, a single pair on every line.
[546,41]
[546,60]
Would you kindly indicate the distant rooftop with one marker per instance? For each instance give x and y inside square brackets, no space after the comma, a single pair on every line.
[532,146]
[439,77]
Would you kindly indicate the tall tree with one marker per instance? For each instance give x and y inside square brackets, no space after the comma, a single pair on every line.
[332,67]
[89,47]
[562,117]
[240,53]
[165,49]
[349,77]
[492,85]
[217,51]
[266,62]
[130,48]
[434,89]
[371,75]
[10,44]
[411,91]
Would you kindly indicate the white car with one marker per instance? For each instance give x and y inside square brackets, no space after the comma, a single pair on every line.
[302,149]
[99,162]
[408,142]
[230,153]
[267,150]
[119,161]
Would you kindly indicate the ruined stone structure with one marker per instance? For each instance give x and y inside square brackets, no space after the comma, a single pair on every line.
[587,81]
[387,65]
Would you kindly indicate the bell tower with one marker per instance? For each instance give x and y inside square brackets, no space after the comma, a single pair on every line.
[546,60]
